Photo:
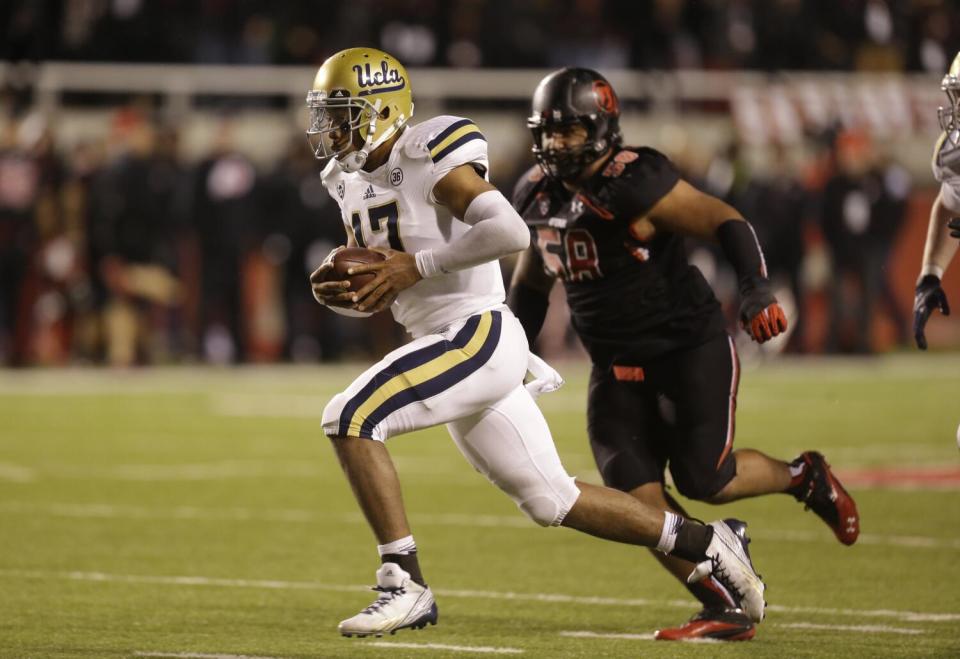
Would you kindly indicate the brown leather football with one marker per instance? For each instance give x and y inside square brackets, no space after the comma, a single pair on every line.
[349,257]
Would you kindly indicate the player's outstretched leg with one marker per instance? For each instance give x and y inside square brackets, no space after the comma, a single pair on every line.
[402,604]
[718,549]
[720,618]
[815,485]
[404,601]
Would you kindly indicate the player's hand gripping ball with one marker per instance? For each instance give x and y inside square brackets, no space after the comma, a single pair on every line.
[333,286]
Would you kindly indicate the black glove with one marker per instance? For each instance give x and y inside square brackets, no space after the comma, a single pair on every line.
[929,296]
[760,314]
[954,225]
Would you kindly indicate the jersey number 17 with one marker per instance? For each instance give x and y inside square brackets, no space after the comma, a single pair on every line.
[390,212]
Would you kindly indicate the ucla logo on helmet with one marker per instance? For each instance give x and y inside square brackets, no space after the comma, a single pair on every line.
[367,77]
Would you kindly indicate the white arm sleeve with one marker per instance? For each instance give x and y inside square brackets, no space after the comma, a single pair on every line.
[497,230]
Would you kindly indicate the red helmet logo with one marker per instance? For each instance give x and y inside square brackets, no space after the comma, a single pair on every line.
[606,99]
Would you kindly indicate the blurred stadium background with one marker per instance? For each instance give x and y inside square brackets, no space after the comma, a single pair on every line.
[158,203]
[159,206]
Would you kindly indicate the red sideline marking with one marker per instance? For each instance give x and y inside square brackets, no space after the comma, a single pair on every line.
[917,477]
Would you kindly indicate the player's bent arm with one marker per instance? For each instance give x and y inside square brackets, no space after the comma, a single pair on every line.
[529,294]
[688,211]
[496,229]
[691,212]
[938,251]
[940,248]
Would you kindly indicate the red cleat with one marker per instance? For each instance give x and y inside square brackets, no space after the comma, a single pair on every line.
[821,492]
[717,624]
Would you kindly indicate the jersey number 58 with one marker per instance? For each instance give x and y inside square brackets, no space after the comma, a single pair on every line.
[571,254]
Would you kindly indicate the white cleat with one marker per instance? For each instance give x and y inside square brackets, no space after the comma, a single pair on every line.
[403,603]
[728,560]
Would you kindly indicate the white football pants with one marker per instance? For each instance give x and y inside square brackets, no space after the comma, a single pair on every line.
[470,377]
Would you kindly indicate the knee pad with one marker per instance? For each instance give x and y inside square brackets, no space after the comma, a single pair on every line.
[547,502]
[331,415]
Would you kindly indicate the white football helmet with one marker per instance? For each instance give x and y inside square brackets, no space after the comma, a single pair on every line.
[949,116]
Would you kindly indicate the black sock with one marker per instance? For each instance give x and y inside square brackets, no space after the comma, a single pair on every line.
[408,562]
[692,541]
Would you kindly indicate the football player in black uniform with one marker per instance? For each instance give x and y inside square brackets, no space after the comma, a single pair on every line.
[610,222]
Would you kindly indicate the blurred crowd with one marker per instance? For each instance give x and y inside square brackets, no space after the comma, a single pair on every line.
[889,35]
[120,252]
[828,228]
[123,252]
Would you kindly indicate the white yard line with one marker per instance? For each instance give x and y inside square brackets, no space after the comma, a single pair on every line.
[207,471]
[860,629]
[481,649]
[302,406]
[16,473]
[908,616]
[199,655]
[626,637]
[122,511]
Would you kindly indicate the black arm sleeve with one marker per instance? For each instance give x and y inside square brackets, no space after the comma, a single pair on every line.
[742,249]
[530,307]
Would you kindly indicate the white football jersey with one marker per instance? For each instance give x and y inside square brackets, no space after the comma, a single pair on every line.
[946,169]
[394,207]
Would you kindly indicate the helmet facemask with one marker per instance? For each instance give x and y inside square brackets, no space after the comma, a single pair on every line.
[950,116]
[336,124]
[569,162]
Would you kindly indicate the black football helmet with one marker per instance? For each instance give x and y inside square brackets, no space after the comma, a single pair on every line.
[574,95]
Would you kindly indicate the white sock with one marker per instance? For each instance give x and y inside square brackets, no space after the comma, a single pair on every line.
[668,536]
[403,547]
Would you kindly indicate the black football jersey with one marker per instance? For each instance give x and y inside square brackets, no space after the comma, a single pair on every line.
[630,299]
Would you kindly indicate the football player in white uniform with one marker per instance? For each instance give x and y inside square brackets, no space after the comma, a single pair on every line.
[944,223]
[419,195]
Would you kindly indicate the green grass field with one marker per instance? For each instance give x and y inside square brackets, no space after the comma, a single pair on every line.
[191,513]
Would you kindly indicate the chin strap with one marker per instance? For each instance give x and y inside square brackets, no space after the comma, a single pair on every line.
[353,161]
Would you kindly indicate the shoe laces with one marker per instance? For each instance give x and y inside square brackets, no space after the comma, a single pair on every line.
[723,576]
[387,595]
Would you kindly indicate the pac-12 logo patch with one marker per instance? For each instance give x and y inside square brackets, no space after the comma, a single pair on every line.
[340,191]
[396,176]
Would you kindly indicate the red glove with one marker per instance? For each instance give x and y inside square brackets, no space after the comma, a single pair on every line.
[767,324]
[761,316]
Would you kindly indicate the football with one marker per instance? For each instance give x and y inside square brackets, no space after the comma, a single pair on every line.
[349,257]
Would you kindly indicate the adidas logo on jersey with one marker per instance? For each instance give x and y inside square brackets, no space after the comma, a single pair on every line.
[369,193]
